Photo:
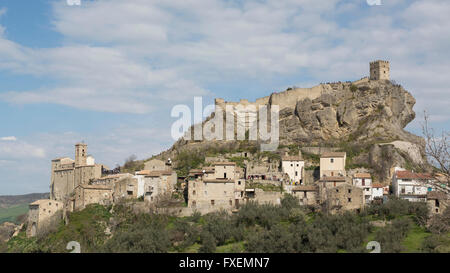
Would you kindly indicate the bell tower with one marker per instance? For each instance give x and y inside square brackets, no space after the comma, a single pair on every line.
[80,154]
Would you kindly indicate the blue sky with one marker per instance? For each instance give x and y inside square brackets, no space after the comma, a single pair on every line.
[109,71]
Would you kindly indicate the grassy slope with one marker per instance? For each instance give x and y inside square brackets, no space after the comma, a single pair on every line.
[10,214]
[414,239]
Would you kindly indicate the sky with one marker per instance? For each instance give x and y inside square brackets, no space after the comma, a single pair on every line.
[109,72]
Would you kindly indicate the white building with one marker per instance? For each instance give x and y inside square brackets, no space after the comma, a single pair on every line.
[293,166]
[411,186]
[377,191]
[364,181]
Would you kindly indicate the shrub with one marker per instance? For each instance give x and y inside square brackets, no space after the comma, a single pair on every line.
[148,235]
[208,243]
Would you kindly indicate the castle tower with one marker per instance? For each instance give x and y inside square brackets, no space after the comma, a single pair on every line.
[80,154]
[379,70]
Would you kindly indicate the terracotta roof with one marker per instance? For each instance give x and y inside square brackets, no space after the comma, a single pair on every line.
[305,188]
[159,173]
[332,178]
[291,158]
[433,195]
[218,180]
[225,163]
[377,185]
[143,172]
[412,175]
[362,175]
[333,154]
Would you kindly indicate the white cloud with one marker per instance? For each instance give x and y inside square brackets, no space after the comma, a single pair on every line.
[144,56]
[17,150]
[8,138]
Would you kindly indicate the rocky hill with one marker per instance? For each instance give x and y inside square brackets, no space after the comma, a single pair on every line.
[364,118]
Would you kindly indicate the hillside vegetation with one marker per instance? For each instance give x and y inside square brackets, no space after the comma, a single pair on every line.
[283,228]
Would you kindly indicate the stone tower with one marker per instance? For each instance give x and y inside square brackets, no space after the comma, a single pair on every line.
[80,154]
[379,70]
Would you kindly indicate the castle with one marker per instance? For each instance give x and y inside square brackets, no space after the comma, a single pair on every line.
[379,70]
[67,173]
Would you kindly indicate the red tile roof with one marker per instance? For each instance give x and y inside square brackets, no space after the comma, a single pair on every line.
[362,175]
[412,175]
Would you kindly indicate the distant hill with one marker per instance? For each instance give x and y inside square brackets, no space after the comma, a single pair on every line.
[7,201]
[12,206]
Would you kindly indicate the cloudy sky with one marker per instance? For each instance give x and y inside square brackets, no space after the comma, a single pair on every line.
[109,71]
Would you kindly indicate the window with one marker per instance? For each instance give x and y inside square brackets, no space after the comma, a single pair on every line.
[349,191]
[212,202]
[363,182]
[297,165]
[224,192]
[292,165]
[296,173]
[224,175]
[231,202]
[239,182]
[193,192]
[332,160]
[349,200]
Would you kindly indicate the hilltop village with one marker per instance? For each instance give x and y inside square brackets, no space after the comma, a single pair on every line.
[319,177]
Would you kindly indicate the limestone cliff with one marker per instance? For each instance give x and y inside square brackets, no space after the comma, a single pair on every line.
[367,114]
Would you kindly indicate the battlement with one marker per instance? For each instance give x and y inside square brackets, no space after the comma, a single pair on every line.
[379,70]
[377,62]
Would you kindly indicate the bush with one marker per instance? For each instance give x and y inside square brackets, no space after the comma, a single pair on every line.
[148,235]
[208,243]
[391,236]
[220,226]
[276,240]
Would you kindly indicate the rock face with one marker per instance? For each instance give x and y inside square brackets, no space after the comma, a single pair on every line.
[371,114]
[371,111]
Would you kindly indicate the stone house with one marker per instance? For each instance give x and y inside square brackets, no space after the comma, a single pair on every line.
[307,195]
[157,184]
[39,214]
[158,165]
[91,194]
[344,197]
[437,202]
[215,188]
[332,164]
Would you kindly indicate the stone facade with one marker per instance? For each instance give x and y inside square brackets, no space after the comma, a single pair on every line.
[67,174]
[332,164]
[39,214]
[379,70]
[437,202]
[344,197]
[215,188]
[92,194]
[307,195]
